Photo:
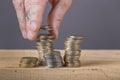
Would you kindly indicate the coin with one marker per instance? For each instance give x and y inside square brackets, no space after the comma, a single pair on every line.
[50,65]
[72,51]
[27,65]
[28,62]
[46,28]
[72,65]
[58,64]
[45,37]
[75,37]
[44,44]
[54,65]
[58,60]
[54,59]
[71,58]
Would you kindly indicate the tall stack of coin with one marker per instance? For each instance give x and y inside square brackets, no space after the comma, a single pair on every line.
[72,51]
[54,60]
[28,62]
[44,44]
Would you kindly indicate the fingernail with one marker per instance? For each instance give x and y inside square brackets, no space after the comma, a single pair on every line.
[30,35]
[33,26]
[24,34]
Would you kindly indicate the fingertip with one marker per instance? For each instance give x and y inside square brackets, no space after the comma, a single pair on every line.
[31,35]
[33,26]
[24,34]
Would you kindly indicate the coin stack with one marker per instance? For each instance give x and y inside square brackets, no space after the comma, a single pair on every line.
[54,60]
[28,62]
[72,51]
[44,44]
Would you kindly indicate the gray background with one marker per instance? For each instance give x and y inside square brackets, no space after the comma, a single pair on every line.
[97,20]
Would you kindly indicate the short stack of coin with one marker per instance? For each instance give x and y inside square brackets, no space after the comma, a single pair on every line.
[44,44]
[53,60]
[28,62]
[72,51]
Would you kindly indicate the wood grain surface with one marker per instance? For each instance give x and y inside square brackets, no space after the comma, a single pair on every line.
[96,65]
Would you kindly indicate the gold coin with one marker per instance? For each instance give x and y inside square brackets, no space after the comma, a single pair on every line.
[72,65]
[71,58]
[46,28]
[75,64]
[73,53]
[75,37]
[29,60]
[27,65]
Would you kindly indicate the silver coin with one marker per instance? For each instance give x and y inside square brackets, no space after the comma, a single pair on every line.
[50,65]
[53,55]
[57,65]
[54,60]
[54,65]
[46,55]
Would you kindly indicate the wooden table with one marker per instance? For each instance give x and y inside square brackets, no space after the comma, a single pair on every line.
[96,65]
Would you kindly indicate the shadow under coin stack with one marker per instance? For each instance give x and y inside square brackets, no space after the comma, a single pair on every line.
[28,62]
[72,51]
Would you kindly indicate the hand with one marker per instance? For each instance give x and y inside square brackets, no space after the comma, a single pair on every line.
[30,14]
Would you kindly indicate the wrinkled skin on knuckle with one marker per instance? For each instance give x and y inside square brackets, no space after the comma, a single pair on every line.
[18,4]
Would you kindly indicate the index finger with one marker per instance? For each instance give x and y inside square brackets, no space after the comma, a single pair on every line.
[37,8]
